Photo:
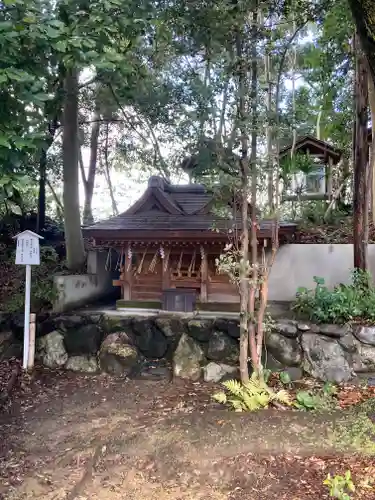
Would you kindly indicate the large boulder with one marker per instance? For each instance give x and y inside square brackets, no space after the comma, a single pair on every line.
[325,359]
[118,354]
[228,326]
[285,350]
[68,321]
[51,350]
[287,328]
[82,364]
[200,329]
[335,331]
[113,324]
[364,359]
[214,372]
[83,340]
[365,334]
[170,326]
[61,322]
[150,340]
[221,347]
[188,359]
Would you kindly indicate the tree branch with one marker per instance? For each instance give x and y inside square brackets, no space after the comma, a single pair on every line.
[82,167]
[155,144]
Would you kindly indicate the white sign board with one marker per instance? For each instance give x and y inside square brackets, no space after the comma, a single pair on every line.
[27,251]
[27,254]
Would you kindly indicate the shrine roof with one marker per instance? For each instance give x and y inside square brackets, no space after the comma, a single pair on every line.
[309,143]
[175,210]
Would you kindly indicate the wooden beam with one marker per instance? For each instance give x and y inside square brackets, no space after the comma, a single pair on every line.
[204,276]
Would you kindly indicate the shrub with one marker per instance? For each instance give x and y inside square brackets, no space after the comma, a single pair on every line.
[43,293]
[340,305]
[252,396]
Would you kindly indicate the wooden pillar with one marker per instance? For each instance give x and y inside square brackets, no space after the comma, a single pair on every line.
[166,276]
[204,276]
[329,179]
[127,279]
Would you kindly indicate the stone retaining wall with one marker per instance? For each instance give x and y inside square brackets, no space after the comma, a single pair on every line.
[192,347]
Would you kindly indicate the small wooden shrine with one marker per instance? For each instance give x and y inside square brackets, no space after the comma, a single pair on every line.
[324,155]
[167,244]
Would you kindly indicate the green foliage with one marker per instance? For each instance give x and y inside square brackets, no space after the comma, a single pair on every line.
[340,487]
[329,389]
[43,292]
[255,395]
[299,163]
[285,378]
[315,212]
[340,305]
[306,401]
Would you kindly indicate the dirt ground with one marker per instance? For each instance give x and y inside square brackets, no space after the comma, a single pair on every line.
[68,437]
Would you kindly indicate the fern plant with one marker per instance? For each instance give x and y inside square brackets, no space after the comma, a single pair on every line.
[339,486]
[255,395]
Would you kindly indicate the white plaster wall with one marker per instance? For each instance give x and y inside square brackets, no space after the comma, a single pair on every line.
[77,290]
[296,265]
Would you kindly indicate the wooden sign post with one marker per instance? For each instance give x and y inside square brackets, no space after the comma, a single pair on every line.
[27,254]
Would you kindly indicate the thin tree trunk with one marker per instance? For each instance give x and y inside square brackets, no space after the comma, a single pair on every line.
[75,252]
[90,180]
[267,65]
[372,152]
[59,206]
[254,180]
[108,175]
[219,134]
[41,218]
[360,195]
[244,168]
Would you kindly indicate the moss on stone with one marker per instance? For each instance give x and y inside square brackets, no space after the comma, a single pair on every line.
[141,304]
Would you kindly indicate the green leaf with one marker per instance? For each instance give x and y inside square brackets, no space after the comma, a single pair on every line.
[52,32]
[61,46]
[57,24]
[18,75]
[318,280]
[42,97]
[285,378]
[4,142]
[5,25]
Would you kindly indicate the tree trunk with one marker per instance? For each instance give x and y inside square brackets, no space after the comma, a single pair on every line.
[41,217]
[90,180]
[360,147]
[244,170]
[254,179]
[371,89]
[267,67]
[363,14]
[75,252]
[108,174]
